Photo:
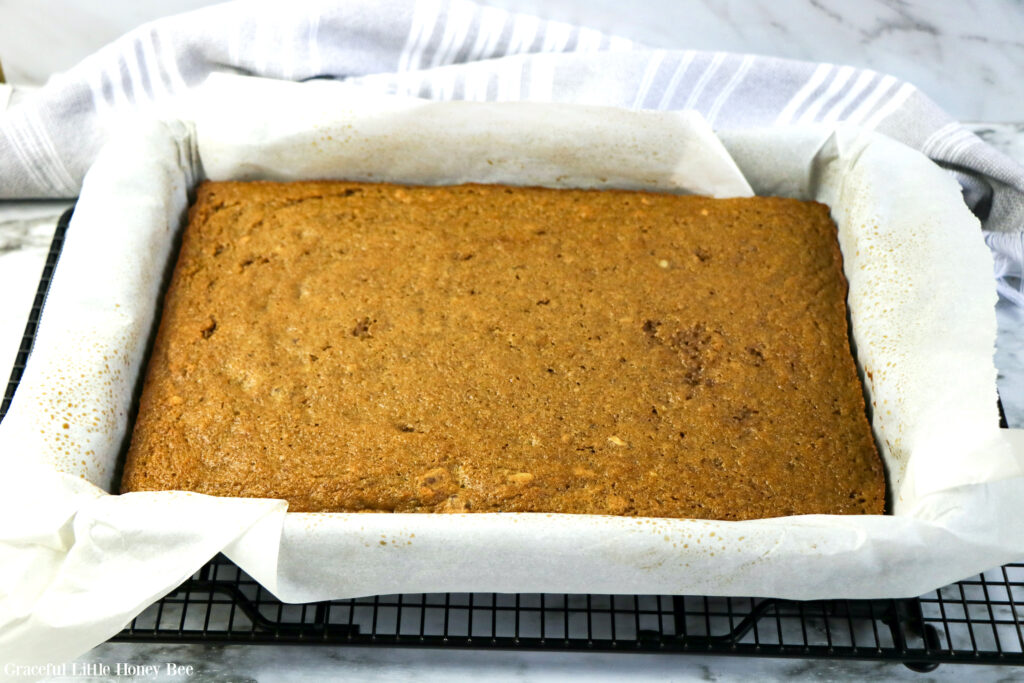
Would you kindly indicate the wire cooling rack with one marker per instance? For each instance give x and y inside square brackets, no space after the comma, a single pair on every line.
[974,621]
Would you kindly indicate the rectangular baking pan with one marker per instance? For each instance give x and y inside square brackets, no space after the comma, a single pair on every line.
[972,621]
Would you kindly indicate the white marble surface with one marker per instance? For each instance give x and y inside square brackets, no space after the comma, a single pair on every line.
[969,56]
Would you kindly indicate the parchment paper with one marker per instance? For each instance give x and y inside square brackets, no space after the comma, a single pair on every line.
[77,563]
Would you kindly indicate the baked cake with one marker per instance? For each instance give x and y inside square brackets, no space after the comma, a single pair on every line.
[375,347]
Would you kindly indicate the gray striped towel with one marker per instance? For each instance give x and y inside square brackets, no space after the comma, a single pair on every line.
[454,49]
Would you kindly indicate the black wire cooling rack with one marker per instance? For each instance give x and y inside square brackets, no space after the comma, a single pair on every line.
[974,621]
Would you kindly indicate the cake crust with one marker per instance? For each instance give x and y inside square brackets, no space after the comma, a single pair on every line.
[374,347]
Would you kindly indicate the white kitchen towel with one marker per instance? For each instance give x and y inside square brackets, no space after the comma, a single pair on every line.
[454,49]
[1008,250]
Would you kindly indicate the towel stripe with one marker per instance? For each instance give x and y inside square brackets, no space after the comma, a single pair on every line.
[524,32]
[737,78]
[816,79]
[943,146]
[99,98]
[169,58]
[456,29]
[424,19]
[111,77]
[927,147]
[135,74]
[838,81]
[677,77]
[256,50]
[890,107]
[556,36]
[491,26]
[702,82]
[151,65]
[56,169]
[27,163]
[951,142]
[869,103]
[26,156]
[650,71]
[288,46]
[850,97]
[313,45]
[960,150]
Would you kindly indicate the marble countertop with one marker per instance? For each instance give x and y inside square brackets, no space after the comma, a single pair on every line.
[966,55]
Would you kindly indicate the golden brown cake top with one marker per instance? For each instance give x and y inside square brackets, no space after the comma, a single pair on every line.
[476,348]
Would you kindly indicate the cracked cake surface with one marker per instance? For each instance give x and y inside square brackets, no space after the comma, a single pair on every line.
[375,347]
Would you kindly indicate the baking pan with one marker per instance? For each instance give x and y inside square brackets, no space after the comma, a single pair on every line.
[972,621]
